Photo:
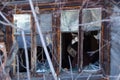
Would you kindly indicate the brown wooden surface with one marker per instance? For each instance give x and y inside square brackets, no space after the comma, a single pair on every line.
[9,36]
[105,45]
[47,6]
[56,39]
[105,56]
[104,51]
[33,46]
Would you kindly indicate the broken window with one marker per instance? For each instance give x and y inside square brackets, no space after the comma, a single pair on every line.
[91,50]
[23,21]
[91,43]
[45,21]
[69,38]
[69,45]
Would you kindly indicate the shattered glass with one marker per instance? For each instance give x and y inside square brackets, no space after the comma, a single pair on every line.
[43,66]
[94,66]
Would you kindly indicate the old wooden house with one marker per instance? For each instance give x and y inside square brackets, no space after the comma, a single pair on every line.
[59,40]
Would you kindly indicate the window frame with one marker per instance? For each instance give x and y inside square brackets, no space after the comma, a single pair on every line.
[104,51]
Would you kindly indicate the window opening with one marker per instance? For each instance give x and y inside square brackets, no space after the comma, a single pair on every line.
[69,38]
[91,41]
[91,50]
[23,21]
[69,47]
[45,21]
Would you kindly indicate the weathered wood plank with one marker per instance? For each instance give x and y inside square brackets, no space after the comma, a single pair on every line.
[33,47]
[105,45]
[56,38]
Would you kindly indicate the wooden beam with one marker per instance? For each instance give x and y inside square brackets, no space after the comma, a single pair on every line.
[9,37]
[56,38]
[105,45]
[47,6]
[33,47]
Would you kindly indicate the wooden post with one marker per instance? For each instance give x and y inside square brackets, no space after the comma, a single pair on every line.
[33,47]
[56,39]
[9,37]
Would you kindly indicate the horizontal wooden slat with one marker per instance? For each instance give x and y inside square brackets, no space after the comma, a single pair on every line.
[46,6]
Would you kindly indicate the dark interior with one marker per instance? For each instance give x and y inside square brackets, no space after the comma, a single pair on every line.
[22,61]
[90,45]
[41,58]
[66,39]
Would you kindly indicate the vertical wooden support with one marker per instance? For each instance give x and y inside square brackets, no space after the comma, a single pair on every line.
[105,45]
[33,47]
[56,39]
[9,41]
[9,37]
[105,57]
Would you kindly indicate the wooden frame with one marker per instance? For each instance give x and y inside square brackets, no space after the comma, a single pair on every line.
[104,47]
[54,7]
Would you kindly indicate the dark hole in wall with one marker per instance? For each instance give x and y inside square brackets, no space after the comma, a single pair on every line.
[66,39]
[42,62]
[41,53]
[41,57]
[90,44]
[22,59]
